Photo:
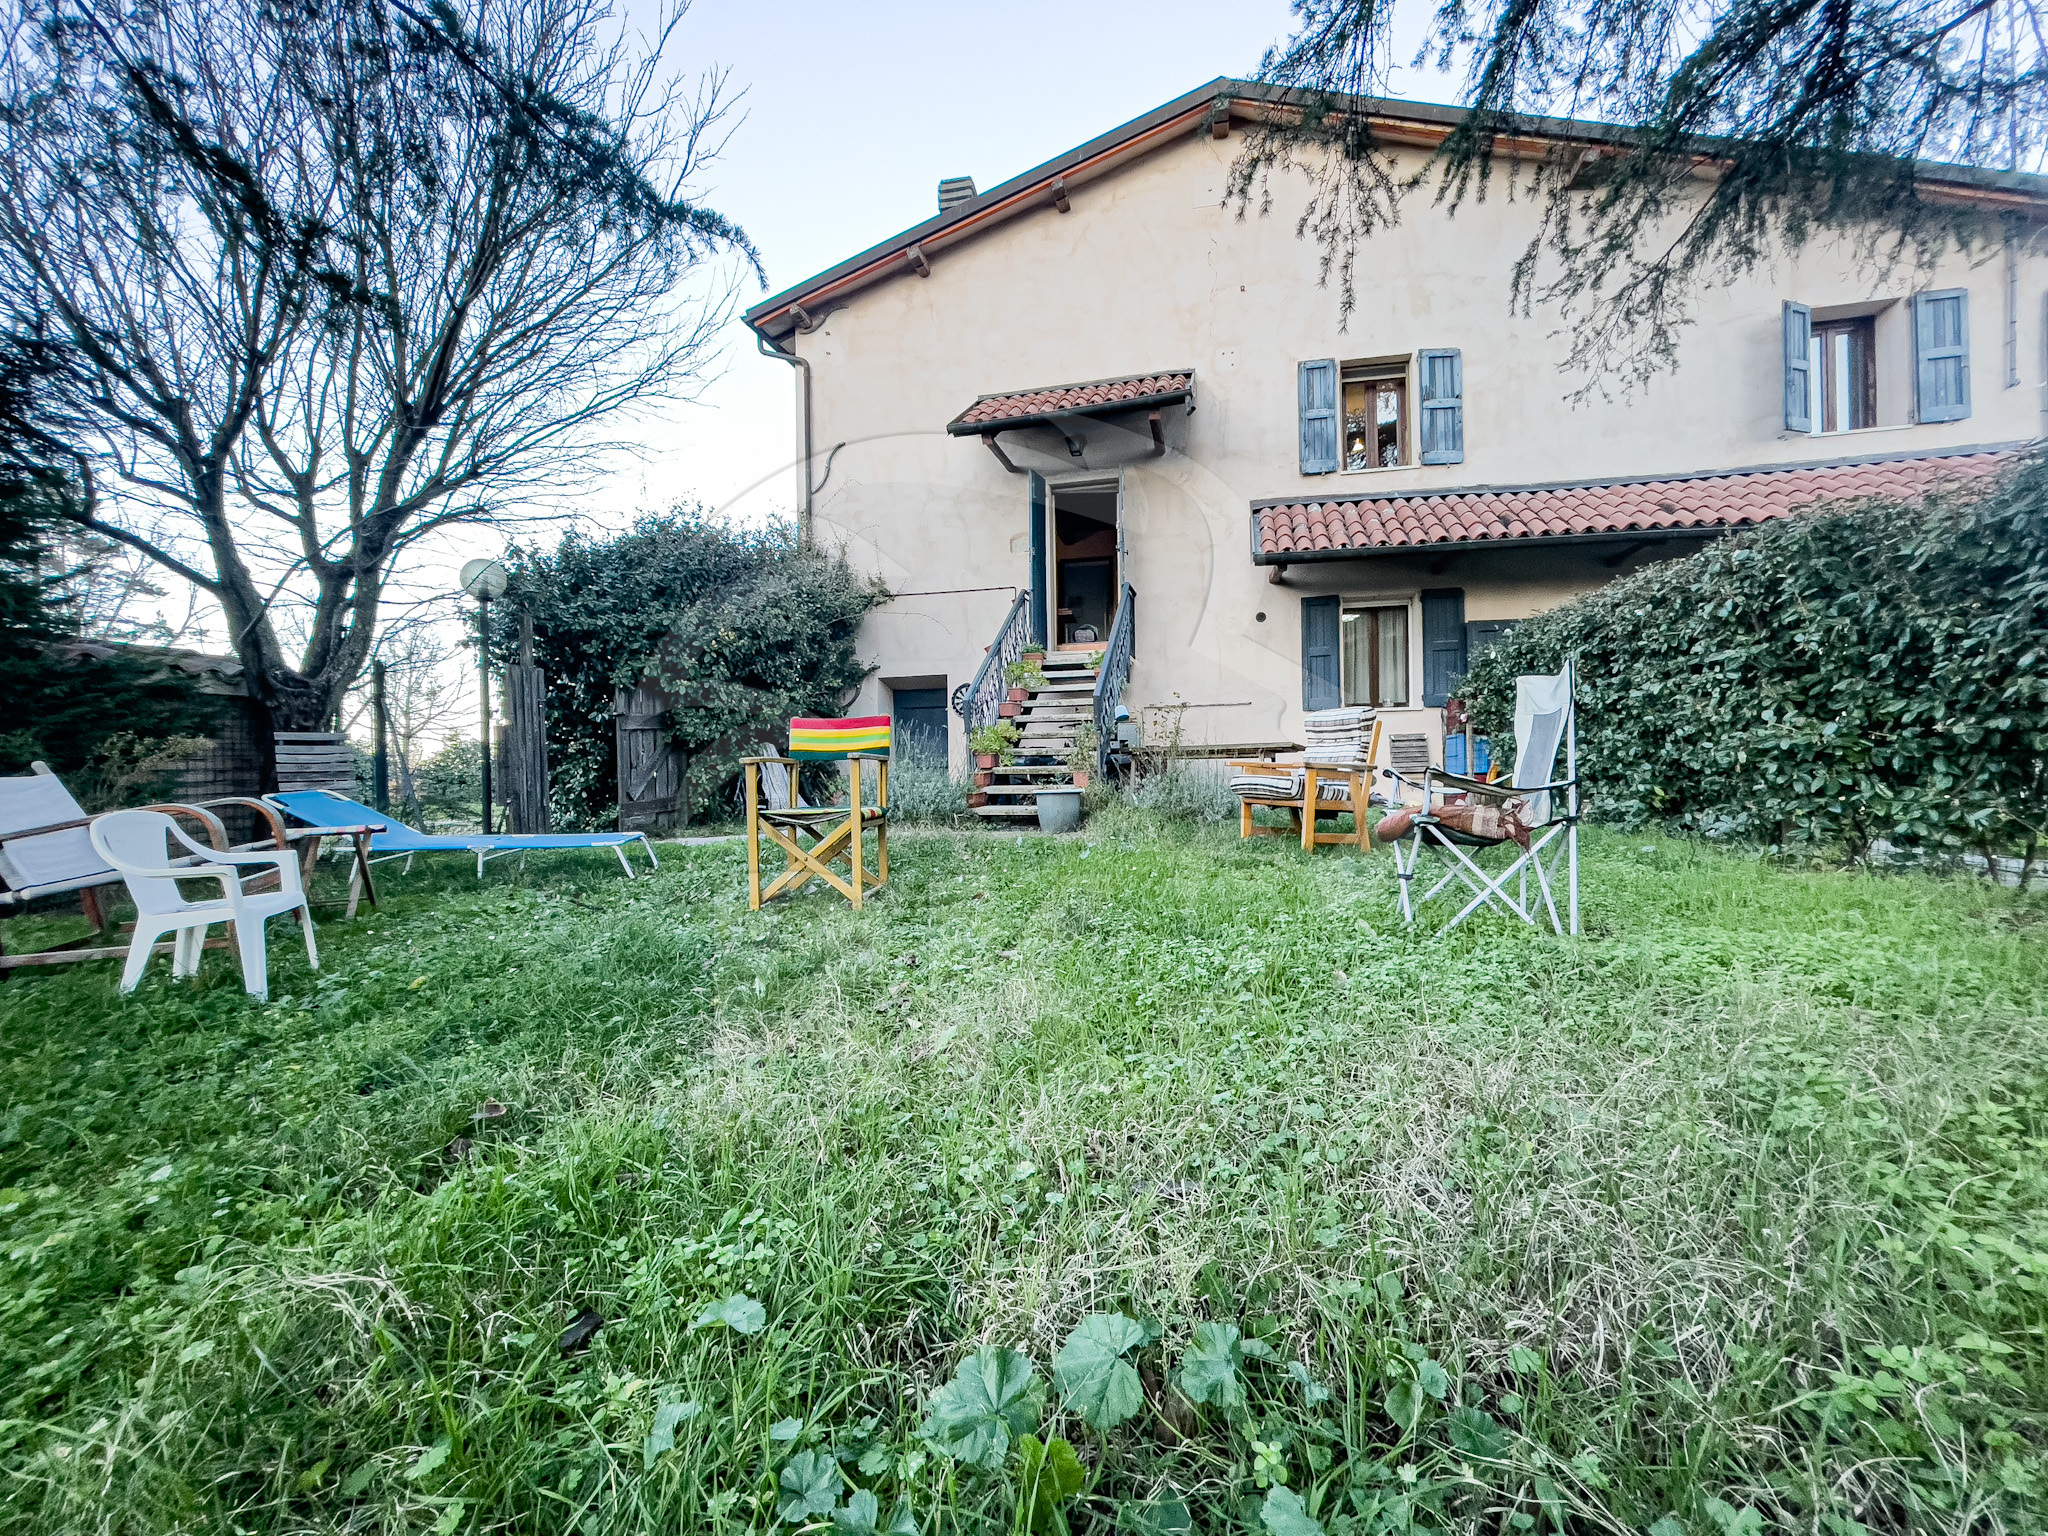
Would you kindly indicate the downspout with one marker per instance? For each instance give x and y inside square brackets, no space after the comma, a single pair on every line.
[803,366]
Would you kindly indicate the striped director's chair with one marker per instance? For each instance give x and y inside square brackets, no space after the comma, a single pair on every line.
[776,810]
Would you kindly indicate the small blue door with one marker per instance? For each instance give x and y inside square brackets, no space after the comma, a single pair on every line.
[920,723]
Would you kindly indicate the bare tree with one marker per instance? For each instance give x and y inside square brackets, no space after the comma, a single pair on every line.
[1720,134]
[335,277]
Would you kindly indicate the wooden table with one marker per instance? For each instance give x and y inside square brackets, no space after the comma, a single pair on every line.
[1265,751]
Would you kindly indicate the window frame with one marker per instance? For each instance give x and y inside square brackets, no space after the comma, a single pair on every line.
[1861,333]
[1398,371]
[1362,606]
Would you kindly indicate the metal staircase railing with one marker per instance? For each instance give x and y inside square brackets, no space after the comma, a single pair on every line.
[1114,673]
[976,702]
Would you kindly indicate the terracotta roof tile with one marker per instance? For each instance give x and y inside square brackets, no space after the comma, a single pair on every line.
[1705,501]
[1060,399]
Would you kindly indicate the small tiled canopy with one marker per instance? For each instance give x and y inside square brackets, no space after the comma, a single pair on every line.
[1284,531]
[1098,397]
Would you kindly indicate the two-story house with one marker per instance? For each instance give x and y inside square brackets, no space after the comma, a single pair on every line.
[1095,407]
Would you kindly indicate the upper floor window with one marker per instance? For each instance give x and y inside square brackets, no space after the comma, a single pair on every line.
[1375,415]
[1383,413]
[1880,363]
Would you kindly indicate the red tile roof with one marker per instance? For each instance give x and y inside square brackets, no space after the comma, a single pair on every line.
[991,412]
[1371,524]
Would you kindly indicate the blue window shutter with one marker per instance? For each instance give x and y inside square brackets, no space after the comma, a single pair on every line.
[1443,643]
[1321,686]
[1798,367]
[1443,405]
[1317,383]
[1481,636]
[1941,354]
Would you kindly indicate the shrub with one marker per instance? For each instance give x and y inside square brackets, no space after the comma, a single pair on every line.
[744,628]
[1184,792]
[1877,671]
[922,790]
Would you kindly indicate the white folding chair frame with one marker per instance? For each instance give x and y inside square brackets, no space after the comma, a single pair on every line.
[1560,838]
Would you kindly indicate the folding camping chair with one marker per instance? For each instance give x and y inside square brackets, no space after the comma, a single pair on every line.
[776,810]
[1546,720]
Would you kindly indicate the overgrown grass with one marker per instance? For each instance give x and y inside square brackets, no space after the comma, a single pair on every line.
[1729,1216]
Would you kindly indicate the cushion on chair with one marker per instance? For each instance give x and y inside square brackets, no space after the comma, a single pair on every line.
[817,740]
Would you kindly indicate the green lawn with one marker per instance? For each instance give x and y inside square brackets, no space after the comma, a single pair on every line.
[1731,1217]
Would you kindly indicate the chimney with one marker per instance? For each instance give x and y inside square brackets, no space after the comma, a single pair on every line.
[955,190]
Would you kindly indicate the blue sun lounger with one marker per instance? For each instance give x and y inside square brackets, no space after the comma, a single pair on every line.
[324,808]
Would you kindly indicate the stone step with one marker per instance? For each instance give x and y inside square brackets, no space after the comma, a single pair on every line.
[1019,791]
[1036,770]
[1008,812]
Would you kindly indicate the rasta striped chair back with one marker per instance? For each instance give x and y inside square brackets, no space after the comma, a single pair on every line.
[812,741]
[814,838]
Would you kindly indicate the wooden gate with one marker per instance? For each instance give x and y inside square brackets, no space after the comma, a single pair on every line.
[650,767]
[523,750]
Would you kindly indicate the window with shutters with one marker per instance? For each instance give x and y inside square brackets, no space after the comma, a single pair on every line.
[1375,651]
[1876,363]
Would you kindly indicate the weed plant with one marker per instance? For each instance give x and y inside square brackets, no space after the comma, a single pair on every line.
[1144,1180]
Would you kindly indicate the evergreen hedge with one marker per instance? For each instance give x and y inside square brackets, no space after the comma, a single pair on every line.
[744,627]
[1874,670]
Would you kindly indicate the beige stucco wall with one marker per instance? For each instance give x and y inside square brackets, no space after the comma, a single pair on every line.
[1146,273]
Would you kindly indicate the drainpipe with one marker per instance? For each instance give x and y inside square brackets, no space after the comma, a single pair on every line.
[803,366]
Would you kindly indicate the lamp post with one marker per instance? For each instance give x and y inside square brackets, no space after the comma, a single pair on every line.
[484,580]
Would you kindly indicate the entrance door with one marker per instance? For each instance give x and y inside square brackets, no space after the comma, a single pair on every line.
[1086,561]
[920,723]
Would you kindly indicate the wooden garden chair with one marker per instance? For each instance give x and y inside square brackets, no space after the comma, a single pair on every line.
[1315,786]
[814,838]
[46,850]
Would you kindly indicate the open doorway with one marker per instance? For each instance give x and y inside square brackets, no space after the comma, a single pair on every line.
[1085,575]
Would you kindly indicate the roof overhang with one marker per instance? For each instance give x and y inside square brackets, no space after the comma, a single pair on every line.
[1638,510]
[1397,124]
[1446,547]
[1053,404]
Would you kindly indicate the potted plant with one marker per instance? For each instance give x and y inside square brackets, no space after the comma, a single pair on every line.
[1081,760]
[993,744]
[1025,677]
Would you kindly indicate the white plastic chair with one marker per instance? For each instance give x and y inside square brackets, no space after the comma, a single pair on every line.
[133,843]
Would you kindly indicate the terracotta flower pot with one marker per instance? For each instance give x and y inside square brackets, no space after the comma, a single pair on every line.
[1009,711]
[1081,777]
[1019,695]
[984,760]
[983,780]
